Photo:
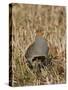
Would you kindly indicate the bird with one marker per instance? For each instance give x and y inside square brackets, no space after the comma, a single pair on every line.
[37,52]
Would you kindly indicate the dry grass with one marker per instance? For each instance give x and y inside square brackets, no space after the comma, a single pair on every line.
[26,19]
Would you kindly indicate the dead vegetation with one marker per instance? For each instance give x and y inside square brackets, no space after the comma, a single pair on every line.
[26,19]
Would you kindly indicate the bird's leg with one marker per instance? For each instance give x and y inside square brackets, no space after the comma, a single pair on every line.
[29,64]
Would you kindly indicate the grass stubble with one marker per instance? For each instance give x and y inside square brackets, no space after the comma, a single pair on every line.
[26,19]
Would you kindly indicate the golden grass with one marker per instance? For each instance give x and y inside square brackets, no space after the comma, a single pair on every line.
[26,19]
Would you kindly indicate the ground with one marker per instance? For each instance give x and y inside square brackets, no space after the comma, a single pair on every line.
[26,19]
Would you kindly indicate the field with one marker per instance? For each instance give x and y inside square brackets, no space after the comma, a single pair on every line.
[26,19]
